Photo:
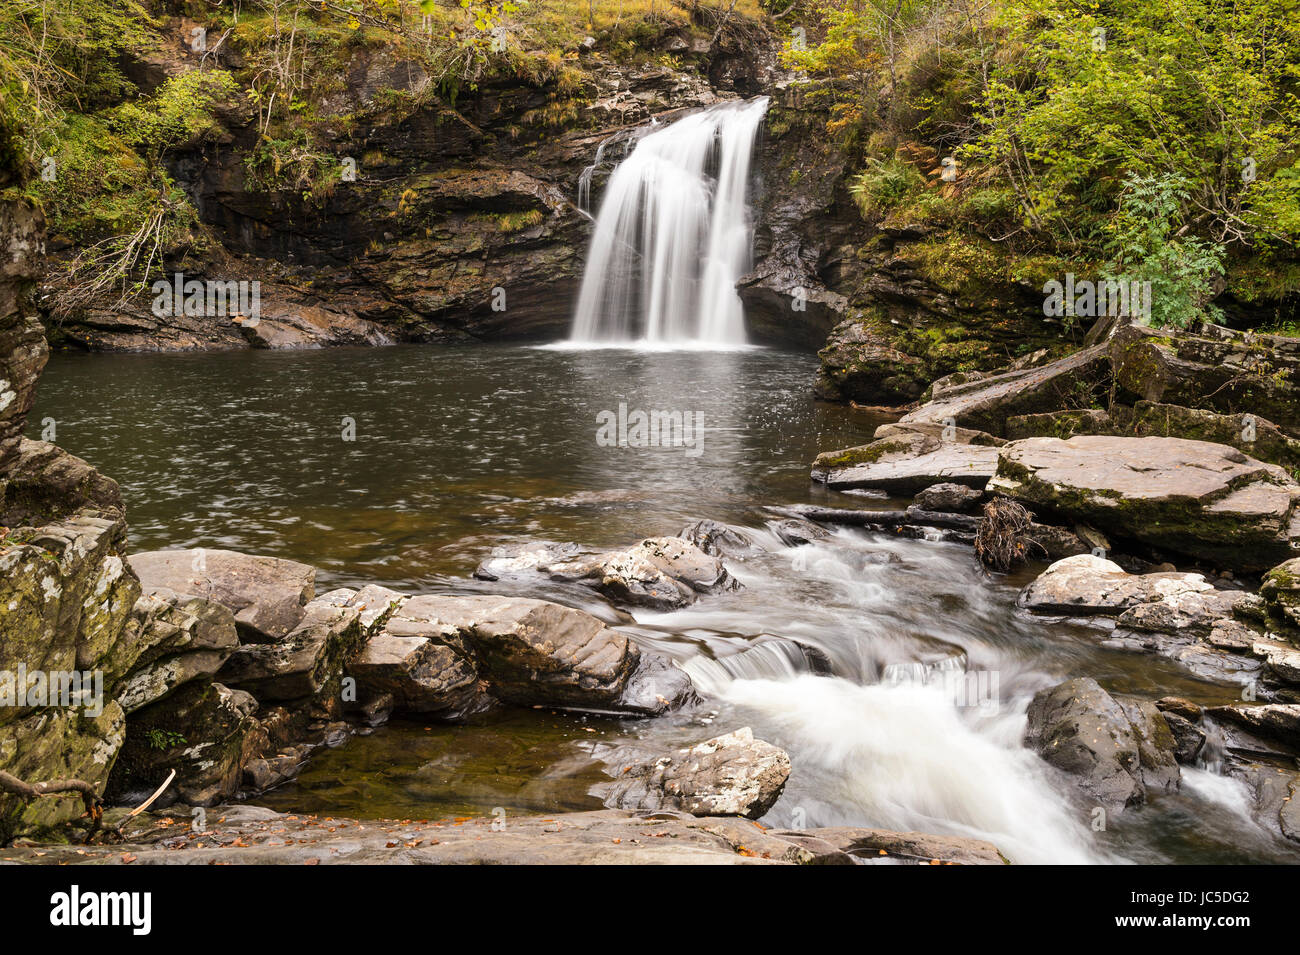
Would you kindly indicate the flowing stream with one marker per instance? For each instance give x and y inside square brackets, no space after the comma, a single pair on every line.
[673,235]
[845,652]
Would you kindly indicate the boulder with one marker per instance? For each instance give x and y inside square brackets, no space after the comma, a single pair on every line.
[422,664]
[1216,369]
[906,464]
[1207,501]
[181,638]
[305,665]
[1060,424]
[986,403]
[1247,432]
[1280,594]
[730,775]
[858,364]
[1281,659]
[1191,612]
[1089,585]
[949,497]
[716,539]
[1082,730]
[1273,721]
[205,731]
[537,653]
[662,573]
[266,594]
[44,483]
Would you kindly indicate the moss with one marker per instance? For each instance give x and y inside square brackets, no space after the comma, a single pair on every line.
[866,454]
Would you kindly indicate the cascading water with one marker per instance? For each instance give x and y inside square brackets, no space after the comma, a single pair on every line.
[673,235]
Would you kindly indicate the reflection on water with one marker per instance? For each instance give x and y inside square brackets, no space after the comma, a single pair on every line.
[841,651]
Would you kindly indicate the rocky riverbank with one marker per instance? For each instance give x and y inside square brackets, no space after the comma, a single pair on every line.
[1150,468]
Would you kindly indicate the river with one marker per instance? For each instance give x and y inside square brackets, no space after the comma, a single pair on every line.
[406,465]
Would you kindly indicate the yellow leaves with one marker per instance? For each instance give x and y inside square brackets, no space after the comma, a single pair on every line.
[354,24]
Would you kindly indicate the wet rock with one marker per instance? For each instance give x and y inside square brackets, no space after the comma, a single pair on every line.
[1273,721]
[537,653]
[266,594]
[663,573]
[796,533]
[1207,501]
[731,775]
[1086,584]
[1156,743]
[717,540]
[1281,659]
[516,560]
[182,638]
[206,732]
[261,774]
[1276,797]
[986,404]
[1181,707]
[1082,730]
[1189,739]
[948,496]
[1194,612]
[906,464]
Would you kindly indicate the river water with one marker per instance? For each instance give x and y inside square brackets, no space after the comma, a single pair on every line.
[407,465]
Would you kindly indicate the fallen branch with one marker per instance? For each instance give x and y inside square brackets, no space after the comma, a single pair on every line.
[58,787]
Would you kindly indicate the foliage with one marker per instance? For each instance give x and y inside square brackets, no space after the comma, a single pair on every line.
[1145,247]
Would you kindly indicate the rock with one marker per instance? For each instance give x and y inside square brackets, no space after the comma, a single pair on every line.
[538,653]
[1193,612]
[266,594]
[793,532]
[1204,500]
[949,497]
[1180,707]
[1247,432]
[23,351]
[1282,659]
[857,364]
[206,732]
[986,404]
[1157,745]
[45,484]
[1280,593]
[1232,635]
[421,664]
[1189,739]
[307,664]
[263,774]
[661,572]
[56,744]
[881,845]
[1060,424]
[253,835]
[1082,730]
[1086,584]
[717,540]
[731,775]
[1274,721]
[65,597]
[181,638]
[1220,370]
[906,464]
[1276,802]
[516,560]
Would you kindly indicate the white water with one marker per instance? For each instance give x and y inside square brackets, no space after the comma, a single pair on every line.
[673,236]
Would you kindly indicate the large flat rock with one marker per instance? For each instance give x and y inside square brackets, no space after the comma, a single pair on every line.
[906,464]
[1207,501]
[266,594]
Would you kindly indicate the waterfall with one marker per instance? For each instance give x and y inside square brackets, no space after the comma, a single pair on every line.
[673,235]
